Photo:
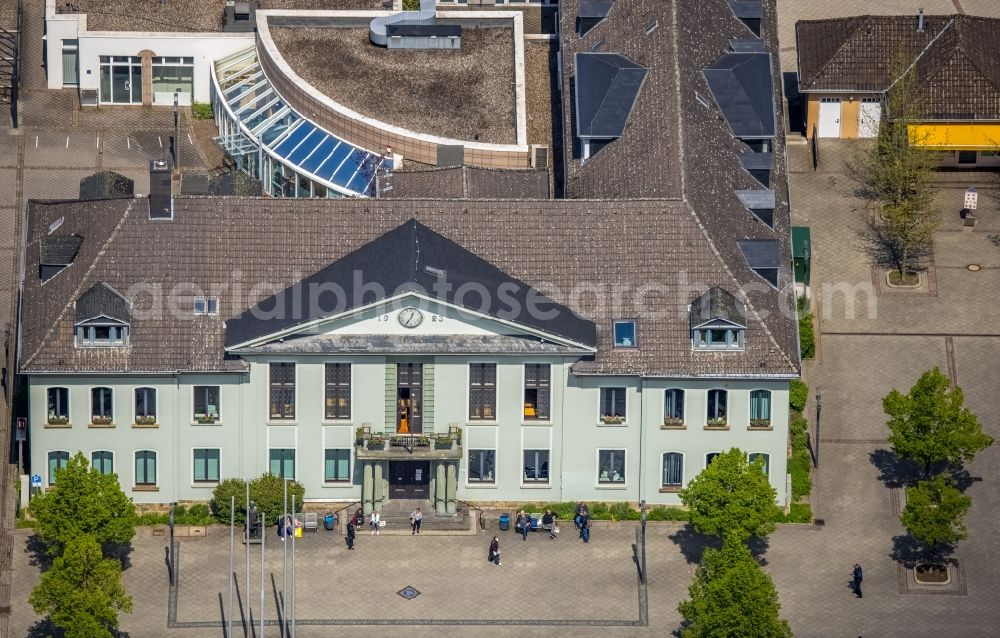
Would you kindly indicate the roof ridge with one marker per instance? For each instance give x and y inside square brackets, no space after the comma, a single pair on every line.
[746,299]
[927,48]
[960,40]
[680,105]
[79,287]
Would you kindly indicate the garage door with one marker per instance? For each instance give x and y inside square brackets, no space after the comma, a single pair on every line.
[829,117]
[869,113]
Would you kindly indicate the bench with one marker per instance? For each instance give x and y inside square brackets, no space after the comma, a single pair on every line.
[310,521]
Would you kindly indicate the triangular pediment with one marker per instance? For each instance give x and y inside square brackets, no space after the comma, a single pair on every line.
[410,265]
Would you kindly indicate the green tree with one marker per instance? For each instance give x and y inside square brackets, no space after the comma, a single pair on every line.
[82,593]
[732,597]
[895,172]
[266,491]
[83,501]
[933,514]
[732,498]
[931,424]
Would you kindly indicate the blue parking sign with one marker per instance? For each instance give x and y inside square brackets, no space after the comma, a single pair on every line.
[36,480]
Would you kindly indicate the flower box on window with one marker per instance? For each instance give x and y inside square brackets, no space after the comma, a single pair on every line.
[443,442]
[612,419]
[760,423]
[148,419]
[673,422]
[207,419]
[100,419]
[58,420]
[376,443]
[718,422]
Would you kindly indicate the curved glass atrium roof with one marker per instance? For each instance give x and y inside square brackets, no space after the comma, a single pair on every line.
[266,120]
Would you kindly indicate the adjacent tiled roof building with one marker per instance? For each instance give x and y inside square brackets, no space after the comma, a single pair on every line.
[953,56]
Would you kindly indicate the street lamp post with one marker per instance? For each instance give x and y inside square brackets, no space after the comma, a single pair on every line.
[642,539]
[177,131]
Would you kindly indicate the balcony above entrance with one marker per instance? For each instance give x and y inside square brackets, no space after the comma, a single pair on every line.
[377,446]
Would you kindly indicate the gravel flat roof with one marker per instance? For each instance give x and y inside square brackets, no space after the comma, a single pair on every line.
[455,94]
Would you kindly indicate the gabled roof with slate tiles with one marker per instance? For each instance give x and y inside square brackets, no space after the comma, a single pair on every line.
[241,249]
[60,250]
[954,58]
[102,301]
[607,85]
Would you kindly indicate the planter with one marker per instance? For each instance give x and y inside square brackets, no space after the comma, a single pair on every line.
[673,423]
[932,574]
[101,420]
[145,420]
[58,420]
[760,423]
[206,419]
[912,280]
[612,420]
[376,444]
[716,423]
[443,444]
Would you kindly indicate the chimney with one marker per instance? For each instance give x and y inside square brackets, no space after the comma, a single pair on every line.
[161,201]
[920,21]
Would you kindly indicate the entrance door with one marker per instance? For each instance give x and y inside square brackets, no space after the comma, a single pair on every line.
[409,479]
[869,113]
[829,117]
[409,398]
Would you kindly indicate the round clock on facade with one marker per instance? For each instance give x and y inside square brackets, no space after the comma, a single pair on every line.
[410,317]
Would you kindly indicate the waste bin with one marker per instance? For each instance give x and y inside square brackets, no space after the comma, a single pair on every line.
[504,522]
[329,520]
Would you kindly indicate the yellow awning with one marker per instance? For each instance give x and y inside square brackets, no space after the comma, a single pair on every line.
[956,137]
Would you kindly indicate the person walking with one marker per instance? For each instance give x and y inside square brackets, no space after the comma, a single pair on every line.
[549,523]
[856,573]
[416,517]
[350,534]
[581,511]
[585,528]
[376,522]
[523,524]
[494,554]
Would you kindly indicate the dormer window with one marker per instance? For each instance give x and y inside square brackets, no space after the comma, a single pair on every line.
[101,334]
[625,334]
[764,258]
[206,305]
[102,317]
[717,321]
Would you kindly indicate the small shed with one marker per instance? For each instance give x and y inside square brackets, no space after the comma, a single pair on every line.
[801,253]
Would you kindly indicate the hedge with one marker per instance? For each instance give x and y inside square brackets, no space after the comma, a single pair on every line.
[798,394]
[800,464]
[807,335]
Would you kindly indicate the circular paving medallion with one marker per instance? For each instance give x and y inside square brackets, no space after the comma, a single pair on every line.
[974,267]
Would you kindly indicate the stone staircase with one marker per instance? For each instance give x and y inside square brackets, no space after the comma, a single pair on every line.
[396,514]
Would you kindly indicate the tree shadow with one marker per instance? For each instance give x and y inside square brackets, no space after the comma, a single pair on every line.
[758,547]
[893,470]
[961,478]
[907,551]
[121,552]
[44,629]
[39,551]
[692,544]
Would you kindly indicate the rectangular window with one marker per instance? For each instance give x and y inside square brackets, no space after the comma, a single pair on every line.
[673,407]
[58,400]
[102,408]
[145,406]
[482,391]
[611,467]
[764,459]
[206,403]
[482,466]
[338,391]
[101,336]
[282,462]
[536,466]
[145,467]
[613,405]
[206,465]
[625,334]
[70,58]
[103,461]
[717,400]
[173,75]
[57,461]
[537,391]
[282,391]
[337,466]
[206,305]
[673,469]
[760,408]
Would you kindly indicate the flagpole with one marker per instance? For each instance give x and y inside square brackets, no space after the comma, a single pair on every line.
[246,525]
[262,536]
[294,527]
[284,560]
[232,575]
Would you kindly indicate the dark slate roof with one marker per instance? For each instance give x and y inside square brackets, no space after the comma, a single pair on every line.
[607,85]
[247,249]
[954,59]
[469,182]
[411,344]
[595,8]
[409,257]
[714,304]
[747,46]
[751,9]
[756,198]
[741,85]
[101,300]
[756,161]
[58,250]
[761,253]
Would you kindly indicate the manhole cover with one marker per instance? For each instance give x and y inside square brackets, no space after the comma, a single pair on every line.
[974,267]
[409,593]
